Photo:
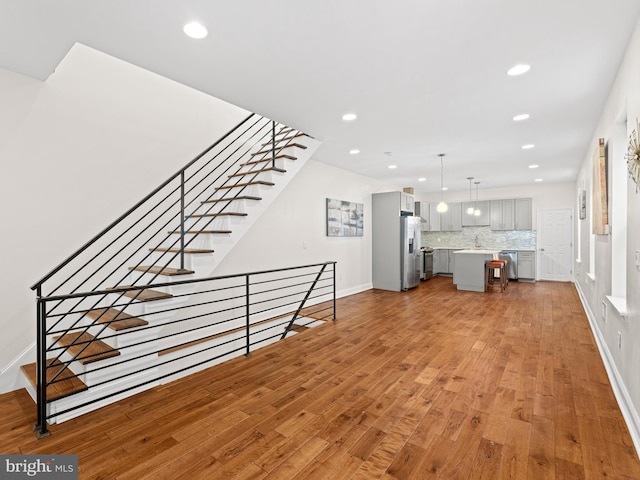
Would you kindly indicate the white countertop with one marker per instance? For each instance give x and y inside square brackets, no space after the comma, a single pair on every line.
[478,252]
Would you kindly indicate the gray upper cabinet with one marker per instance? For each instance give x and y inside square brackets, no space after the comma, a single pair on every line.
[407,203]
[471,220]
[502,214]
[422,211]
[449,221]
[523,214]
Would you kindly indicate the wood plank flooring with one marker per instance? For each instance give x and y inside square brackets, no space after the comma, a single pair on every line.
[427,384]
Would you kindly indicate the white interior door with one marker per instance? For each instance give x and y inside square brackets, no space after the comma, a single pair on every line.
[555,248]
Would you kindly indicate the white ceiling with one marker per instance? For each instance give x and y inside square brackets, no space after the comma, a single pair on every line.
[424,76]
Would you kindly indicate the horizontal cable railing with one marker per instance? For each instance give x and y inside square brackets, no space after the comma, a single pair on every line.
[204,321]
[83,299]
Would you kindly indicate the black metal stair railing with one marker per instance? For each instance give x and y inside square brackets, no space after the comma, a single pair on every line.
[116,267]
[215,318]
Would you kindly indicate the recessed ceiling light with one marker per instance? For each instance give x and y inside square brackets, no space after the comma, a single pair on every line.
[354,151]
[534,166]
[195,30]
[422,179]
[518,69]
[538,180]
[529,146]
[445,188]
[348,117]
[393,166]
[522,116]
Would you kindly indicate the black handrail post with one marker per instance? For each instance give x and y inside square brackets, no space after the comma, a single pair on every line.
[41,366]
[334,291]
[248,310]
[182,220]
[273,143]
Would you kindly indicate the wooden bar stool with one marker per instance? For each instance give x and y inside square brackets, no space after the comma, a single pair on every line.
[491,267]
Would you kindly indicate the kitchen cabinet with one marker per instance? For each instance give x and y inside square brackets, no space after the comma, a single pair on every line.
[422,210]
[407,203]
[502,214]
[440,261]
[444,261]
[527,265]
[473,220]
[523,214]
[449,221]
[434,218]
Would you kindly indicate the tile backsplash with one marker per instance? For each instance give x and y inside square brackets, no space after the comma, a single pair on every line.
[482,237]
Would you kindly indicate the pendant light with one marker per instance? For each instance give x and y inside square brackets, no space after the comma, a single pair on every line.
[477,211]
[442,207]
[470,210]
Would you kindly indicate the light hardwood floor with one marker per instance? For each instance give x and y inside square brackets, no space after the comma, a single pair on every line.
[431,383]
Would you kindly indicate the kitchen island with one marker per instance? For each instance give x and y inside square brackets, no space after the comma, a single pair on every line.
[468,273]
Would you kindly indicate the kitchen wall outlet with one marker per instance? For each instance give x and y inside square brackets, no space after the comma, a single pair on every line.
[604,311]
[619,340]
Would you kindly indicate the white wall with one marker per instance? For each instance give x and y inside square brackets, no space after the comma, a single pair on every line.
[594,270]
[293,231]
[77,151]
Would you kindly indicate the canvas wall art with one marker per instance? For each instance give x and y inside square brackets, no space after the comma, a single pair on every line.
[600,210]
[344,219]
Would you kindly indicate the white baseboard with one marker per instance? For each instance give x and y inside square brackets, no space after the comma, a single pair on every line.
[630,414]
[354,290]
[11,377]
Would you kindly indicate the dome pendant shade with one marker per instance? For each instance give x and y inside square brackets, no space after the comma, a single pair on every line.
[442,207]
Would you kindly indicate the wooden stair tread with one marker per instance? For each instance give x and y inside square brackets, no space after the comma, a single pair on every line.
[117,319]
[231,199]
[96,349]
[256,172]
[67,383]
[238,185]
[186,250]
[265,160]
[220,214]
[198,232]
[146,295]
[166,271]
[290,145]
[284,139]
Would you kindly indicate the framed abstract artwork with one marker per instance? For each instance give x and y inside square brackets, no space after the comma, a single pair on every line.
[599,203]
[344,219]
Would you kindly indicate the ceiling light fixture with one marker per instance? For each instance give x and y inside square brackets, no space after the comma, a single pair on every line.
[518,69]
[393,166]
[538,180]
[422,179]
[442,207]
[470,209]
[534,166]
[349,117]
[521,117]
[195,30]
[354,151]
[476,211]
[528,146]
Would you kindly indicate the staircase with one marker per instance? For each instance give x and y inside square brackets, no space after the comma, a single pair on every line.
[137,306]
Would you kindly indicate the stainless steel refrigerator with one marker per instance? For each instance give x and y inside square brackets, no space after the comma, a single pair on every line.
[410,252]
[396,253]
